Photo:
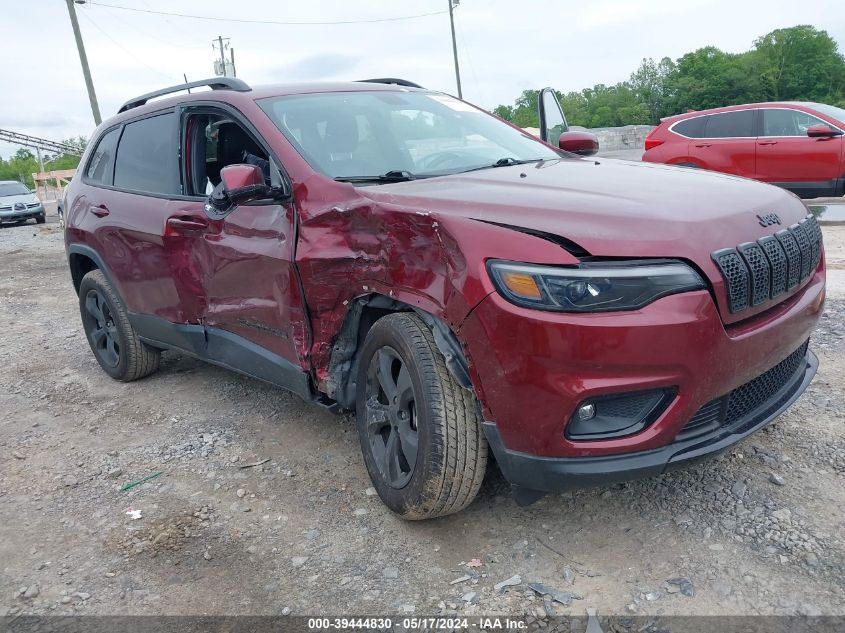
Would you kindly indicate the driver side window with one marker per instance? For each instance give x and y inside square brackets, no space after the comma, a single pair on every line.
[213,141]
[783,122]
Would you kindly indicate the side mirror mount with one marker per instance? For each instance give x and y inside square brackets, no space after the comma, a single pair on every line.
[822,131]
[240,184]
[581,143]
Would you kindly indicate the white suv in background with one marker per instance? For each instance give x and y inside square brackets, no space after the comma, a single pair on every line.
[18,203]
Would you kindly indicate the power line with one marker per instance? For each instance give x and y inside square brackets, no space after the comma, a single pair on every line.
[276,22]
[126,50]
[169,42]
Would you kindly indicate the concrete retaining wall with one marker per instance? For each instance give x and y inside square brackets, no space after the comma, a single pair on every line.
[627,137]
[624,142]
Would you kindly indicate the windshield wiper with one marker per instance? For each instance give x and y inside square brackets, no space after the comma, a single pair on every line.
[396,175]
[507,161]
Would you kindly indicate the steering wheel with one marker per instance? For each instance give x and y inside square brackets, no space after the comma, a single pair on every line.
[441,159]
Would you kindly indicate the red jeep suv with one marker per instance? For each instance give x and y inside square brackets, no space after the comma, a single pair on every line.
[795,145]
[462,286]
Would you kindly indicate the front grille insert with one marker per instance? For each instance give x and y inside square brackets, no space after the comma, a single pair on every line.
[804,246]
[777,262]
[757,272]
[813,232]
[793,256]
[745,399]
[736,277]
[758,264]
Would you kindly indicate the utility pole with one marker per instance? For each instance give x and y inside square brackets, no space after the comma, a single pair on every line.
[222,67]
[452,5]
[83,59]
[222,55]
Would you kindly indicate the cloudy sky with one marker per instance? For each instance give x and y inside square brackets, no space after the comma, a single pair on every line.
[505,46]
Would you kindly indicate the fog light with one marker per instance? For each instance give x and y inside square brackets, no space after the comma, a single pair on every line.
[617,415]
[586,412]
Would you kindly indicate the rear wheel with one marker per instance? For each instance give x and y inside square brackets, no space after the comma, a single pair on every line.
[115,344]
[420,431]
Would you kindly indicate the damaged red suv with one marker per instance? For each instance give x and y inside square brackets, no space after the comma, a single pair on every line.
[463,287]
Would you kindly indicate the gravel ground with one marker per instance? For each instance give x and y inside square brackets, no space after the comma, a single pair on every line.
[758,530]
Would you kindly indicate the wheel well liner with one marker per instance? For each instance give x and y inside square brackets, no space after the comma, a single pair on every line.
[82,260]
[363,312]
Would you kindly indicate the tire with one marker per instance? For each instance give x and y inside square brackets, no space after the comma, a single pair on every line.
[40,219]
[430,408]
[113,341]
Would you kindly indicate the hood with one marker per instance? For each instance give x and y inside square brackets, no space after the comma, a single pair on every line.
[26,198]
[609,207]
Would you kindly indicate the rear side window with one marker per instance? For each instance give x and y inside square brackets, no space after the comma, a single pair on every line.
[691,128]
[730,124]
[101,166]
[146,156]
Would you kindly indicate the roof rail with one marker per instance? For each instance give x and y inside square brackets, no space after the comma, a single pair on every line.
[215,83]
[391,80]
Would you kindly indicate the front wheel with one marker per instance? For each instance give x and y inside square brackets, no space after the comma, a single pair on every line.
[40,219]
[420,431]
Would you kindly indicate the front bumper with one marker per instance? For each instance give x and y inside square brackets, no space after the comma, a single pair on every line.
[16,215]
[531,370]
[547,474]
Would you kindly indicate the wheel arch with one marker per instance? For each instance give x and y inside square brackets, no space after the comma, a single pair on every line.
[362,313]
[82,260]
[689,163]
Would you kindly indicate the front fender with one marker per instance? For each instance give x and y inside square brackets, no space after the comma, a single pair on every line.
[434,264]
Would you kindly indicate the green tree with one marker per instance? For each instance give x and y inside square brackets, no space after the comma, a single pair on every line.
[711,78]
[20,166]
[525,112]
[504,112]
[651,87]
[800,63]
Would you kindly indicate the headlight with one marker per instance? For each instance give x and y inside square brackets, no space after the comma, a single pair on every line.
[592,286]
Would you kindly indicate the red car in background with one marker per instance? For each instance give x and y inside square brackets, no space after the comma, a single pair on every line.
[795,145]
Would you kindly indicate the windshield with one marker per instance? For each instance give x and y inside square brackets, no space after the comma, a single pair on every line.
[12,189]
[829,110]
[355,135]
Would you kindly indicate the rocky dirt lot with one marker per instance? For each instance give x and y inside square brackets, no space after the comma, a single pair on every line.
[757,531]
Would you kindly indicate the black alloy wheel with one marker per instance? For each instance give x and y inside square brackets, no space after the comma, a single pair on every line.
[391,417]
[101,328]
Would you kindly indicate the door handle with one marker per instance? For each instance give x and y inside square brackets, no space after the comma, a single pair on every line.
[704,144]
[188,223]
[100,210]
[767,143]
